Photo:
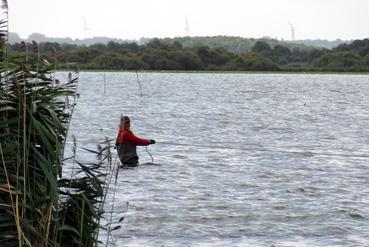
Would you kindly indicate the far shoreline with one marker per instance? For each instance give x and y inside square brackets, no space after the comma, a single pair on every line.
[223,72]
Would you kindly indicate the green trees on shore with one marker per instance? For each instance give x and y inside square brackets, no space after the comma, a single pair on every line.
[341,61]
[173,55]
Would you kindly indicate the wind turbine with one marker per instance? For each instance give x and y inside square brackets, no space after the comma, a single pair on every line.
[292,32]
[187,28]
[85,28]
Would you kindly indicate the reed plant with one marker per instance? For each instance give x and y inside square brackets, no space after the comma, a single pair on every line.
[39,206]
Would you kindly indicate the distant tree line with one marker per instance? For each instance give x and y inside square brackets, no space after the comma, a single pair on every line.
[163,55]
[238,45]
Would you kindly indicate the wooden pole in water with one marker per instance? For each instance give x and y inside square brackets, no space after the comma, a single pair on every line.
[104,78]
[139,84]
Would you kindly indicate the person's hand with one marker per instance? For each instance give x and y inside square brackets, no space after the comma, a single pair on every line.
[152,141]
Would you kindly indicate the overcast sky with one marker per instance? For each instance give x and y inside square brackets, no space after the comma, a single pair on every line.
[133,19]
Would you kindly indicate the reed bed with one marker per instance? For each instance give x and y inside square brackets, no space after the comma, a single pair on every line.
[38,206]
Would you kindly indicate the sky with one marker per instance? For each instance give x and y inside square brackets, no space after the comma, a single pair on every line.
[133,19]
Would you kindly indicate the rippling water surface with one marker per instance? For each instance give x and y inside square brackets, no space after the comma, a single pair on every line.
[242,159]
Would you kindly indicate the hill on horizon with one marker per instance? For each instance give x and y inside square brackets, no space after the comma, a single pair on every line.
[241,45]
[231,43]
[41,38]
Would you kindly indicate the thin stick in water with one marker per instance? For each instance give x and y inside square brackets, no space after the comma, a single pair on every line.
[139,84]
[104,78]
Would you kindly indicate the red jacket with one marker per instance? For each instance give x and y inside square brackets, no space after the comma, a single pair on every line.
[126,136]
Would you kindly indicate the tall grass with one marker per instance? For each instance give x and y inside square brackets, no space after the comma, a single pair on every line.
[38,206]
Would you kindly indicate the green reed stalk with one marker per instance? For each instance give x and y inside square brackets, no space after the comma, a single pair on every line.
[34,124]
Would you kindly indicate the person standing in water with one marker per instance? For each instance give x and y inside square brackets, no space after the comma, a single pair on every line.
[127,142]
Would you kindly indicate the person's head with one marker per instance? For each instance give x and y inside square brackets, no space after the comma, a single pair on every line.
[126,122]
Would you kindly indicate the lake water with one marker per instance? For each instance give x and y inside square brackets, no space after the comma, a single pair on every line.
[242,159]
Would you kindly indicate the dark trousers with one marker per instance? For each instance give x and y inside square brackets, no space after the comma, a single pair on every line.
[127,156]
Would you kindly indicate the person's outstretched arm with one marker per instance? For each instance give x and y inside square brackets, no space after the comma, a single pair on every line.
[132,139]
